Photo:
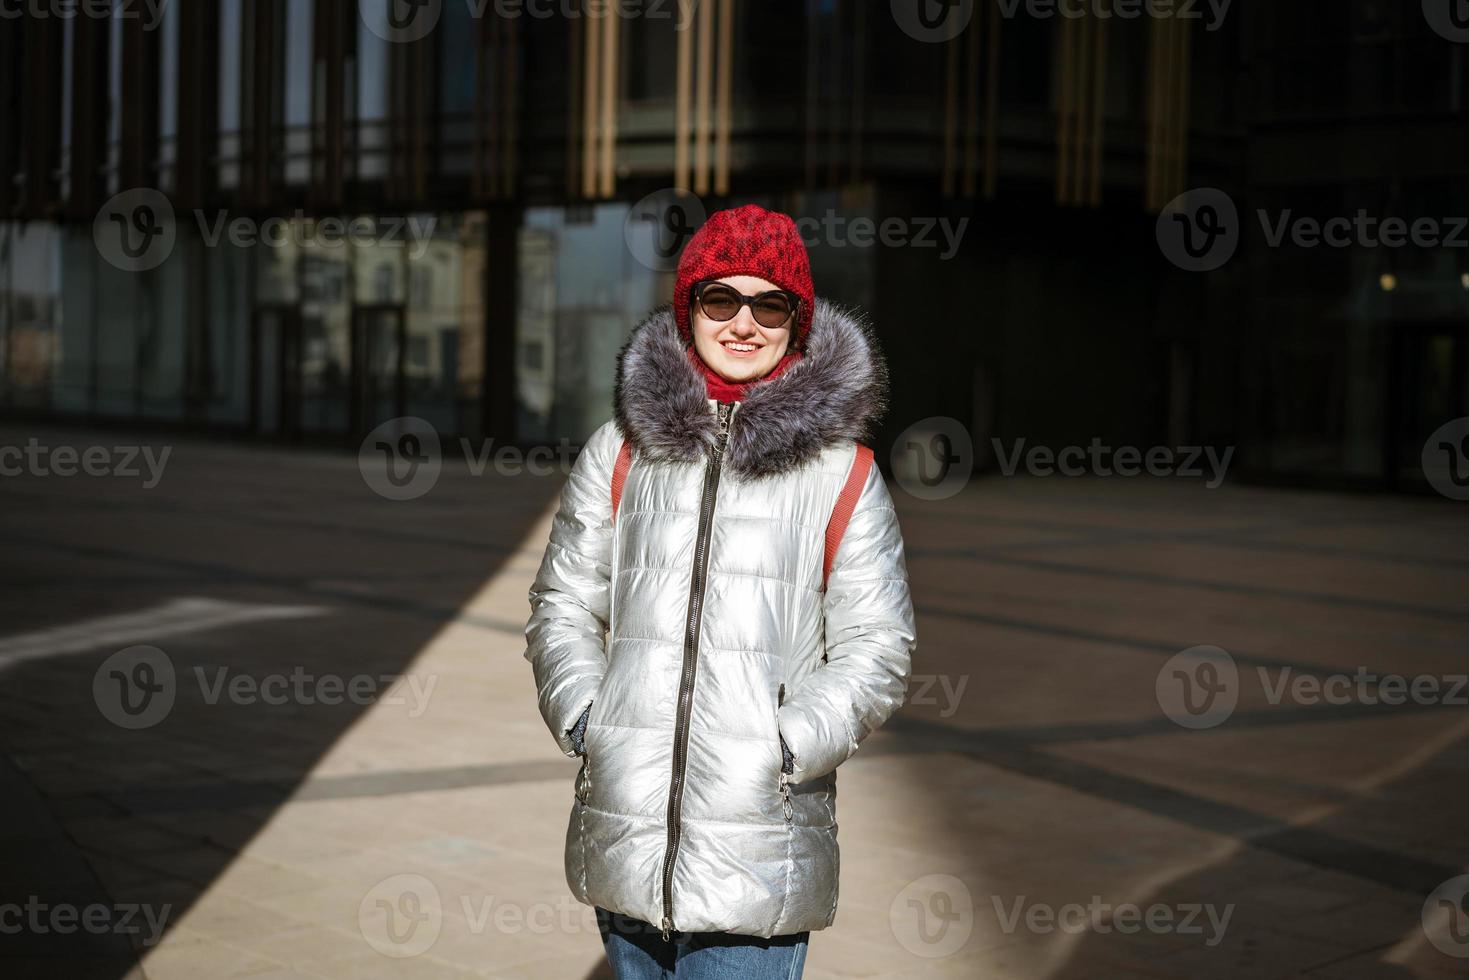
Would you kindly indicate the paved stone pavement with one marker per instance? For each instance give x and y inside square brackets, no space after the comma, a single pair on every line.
[340,771]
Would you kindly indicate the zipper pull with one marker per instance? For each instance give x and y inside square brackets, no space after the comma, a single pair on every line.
[785,797]
[665,926]
[726,414]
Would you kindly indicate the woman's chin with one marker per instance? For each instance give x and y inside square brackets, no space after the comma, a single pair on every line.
[736,371]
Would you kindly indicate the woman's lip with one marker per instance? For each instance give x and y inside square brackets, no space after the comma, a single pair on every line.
[738,353]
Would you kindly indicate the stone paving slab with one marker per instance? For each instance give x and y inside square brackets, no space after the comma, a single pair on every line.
[1033,775]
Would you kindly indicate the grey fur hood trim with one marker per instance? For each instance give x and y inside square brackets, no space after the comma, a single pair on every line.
[836,392]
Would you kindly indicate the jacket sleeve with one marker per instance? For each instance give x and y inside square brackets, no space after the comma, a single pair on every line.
[870,638]
[571,597]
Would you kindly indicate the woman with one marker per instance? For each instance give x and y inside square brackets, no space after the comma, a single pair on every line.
[688,640]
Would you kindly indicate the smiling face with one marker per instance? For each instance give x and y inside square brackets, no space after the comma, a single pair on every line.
[740,349]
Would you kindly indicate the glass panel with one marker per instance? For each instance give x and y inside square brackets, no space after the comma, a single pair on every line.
[230,28]
[325,331]
[228,336]
[114,92]
[379,270]
[68,60]
[457,34]
[298,38]
[31,308]
[270,338]
[445,324]
[160,325]
[576,310]
[168,95]
[119,298]
[372,103]
[275,269]
[376,352]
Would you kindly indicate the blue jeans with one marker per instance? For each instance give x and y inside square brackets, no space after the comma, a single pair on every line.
[637,951]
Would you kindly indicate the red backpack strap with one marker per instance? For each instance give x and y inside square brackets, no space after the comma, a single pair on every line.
[841,514]
[619,474]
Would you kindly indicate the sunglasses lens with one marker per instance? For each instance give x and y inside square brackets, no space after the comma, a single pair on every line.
[719,302]
[772,310]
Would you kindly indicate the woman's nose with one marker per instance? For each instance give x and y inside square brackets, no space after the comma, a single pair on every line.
[744,324]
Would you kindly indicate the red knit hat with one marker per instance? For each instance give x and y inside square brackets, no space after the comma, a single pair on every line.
[746,241]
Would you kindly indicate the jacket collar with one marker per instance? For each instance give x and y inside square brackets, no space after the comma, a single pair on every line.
[836,393]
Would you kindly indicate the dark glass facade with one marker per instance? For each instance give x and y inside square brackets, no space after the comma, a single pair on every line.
[491,166]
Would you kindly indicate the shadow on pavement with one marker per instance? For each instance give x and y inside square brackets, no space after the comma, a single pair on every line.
[283,598]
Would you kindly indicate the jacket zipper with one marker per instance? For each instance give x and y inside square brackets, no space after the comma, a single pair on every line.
[691,663]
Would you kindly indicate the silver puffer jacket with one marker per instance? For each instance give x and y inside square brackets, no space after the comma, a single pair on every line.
[696,628]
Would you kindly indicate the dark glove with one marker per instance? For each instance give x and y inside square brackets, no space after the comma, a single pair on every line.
[787,759]
[578,732]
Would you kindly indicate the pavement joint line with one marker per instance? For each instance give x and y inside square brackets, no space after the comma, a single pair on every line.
[1236,538]
[1390,869]
[981,556]
[366,529]
[1113,639]
[934,736]
[296,585]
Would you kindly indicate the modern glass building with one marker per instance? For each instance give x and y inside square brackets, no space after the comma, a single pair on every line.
[298,218]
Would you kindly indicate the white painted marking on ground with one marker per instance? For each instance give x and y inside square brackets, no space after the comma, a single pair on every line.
[179,616]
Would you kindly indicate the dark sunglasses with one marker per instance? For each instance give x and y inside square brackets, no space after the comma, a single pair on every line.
[771,309]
